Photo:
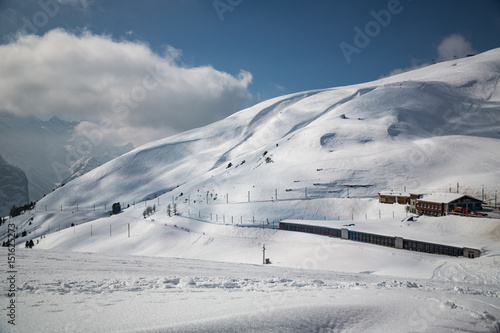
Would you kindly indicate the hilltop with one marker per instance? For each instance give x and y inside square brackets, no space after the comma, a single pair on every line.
[423,130]
[199,208]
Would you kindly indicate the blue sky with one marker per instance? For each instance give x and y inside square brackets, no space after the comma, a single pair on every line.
[281,46]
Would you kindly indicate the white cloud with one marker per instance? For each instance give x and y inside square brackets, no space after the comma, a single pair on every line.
[415,64]
[451,47]
[280,87]
[454,46]
[131,92]
[406,69]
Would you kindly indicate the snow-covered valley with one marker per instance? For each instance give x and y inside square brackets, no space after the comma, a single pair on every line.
[320,157]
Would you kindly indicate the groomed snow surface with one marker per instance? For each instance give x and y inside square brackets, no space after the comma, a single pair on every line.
[175,274]
[83,292]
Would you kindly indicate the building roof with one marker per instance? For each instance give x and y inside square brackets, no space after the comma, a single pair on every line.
[443,197]
[395,194]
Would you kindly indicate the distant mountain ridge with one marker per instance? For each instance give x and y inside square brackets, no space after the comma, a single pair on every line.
[40,149]
[423,129]
[13,187]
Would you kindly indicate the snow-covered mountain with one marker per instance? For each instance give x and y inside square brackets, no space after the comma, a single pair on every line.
[317,155]
[47,152]
[13,187]
[421,130]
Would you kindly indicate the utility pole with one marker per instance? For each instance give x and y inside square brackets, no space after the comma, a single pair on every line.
[263,254]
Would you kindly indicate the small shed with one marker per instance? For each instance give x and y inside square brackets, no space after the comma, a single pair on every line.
[390,197]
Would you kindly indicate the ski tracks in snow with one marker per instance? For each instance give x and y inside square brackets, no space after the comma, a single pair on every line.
[472,273]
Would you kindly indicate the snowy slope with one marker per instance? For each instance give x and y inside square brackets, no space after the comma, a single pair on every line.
[412,130]
[319,157]
[83,292]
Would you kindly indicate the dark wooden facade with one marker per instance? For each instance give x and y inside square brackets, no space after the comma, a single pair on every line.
[389,241]
[394,197]
[441,206]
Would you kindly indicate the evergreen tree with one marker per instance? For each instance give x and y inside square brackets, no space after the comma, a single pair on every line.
[13,211]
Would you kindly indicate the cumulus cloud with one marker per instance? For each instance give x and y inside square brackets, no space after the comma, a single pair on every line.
[454,46]
[130,92]
[451,47]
